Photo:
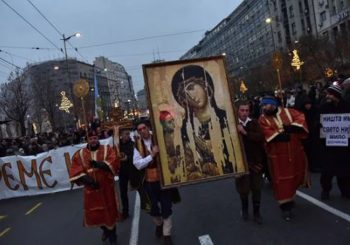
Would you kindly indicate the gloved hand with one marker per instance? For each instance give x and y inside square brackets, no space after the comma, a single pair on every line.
[282,137]
[290,129]
[89,181]
[100,165]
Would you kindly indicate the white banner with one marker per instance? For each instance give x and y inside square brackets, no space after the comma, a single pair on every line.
[33,175]
[335,128]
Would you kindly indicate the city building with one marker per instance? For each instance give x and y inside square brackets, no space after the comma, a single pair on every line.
[142,101]
[256,29]
[290,20]
[50,78]
[244,36]
[119,83]
[332,17]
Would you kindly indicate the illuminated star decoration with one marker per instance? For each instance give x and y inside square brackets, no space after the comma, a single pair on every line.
[296,62]
[243,88]
[65,103]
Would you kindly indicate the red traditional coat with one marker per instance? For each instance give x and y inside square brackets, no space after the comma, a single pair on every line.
[287,160]
[100,205]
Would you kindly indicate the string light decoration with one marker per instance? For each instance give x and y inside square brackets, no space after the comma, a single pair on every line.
[65,103]
[296,62]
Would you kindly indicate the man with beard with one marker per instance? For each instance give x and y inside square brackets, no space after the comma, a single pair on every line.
[284,130]
[335,160]
[95,167]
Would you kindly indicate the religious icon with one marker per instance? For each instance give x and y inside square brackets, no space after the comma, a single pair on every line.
[194,121]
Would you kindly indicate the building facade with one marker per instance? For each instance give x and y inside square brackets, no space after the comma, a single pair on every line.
[49,79]
[243,36]
[257,28]
[332,17]
[142,101]
[119,82]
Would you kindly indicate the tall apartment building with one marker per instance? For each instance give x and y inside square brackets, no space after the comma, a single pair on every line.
[248,39]
[332,17]
[290,20]
[119,83]
[243,36]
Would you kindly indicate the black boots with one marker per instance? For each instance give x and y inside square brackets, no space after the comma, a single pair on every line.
[167,240]
[286,209]
[244,212]
[256,213]
[159,231]
[111,235]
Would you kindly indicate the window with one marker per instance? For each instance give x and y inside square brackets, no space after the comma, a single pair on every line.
[294,30]
[279,37]
[291,11]
[300,7]
[302,25]
[323,16]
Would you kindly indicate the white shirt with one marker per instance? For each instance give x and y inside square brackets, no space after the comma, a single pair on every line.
[140,162]
[246,121]
[290,101]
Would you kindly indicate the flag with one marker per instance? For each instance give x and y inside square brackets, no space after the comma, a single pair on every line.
[98,101]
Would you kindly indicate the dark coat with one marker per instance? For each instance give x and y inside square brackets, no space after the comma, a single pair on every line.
[334,160]
[254,143]
[127,167]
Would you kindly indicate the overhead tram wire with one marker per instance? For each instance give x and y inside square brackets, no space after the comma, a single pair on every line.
[6,65]
[15,55]
[17,47]
[141,39]
[42,15]
[10,63]
[53,26]
[31,25]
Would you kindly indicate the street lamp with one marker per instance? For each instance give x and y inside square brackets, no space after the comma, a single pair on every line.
[65,39]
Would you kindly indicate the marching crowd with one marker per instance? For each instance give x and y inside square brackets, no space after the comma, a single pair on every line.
[281,138]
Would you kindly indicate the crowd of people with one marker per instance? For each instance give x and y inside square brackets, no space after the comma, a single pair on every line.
[42,142]
[281,139]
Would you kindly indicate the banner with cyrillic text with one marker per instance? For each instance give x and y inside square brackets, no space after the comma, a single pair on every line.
[336,129]
[33,175]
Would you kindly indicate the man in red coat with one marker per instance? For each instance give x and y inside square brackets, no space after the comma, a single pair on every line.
[95,167]
[283,130]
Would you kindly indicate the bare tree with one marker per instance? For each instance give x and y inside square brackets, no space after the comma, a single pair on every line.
[317,54]
[45,96]
[15,99]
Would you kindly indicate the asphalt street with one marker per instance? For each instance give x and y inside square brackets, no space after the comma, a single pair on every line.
[211,209]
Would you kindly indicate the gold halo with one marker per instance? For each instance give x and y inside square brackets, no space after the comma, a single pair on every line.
[81,88]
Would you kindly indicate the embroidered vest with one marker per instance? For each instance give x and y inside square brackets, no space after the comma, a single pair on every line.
[152,174]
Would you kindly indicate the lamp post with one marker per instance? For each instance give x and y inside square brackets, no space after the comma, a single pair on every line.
[269,22]
[65,39]
[276,56]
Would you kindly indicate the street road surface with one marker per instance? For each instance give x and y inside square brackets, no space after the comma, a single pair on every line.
[208,214]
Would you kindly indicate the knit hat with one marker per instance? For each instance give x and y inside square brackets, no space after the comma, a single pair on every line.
[335,90]
[268,100]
